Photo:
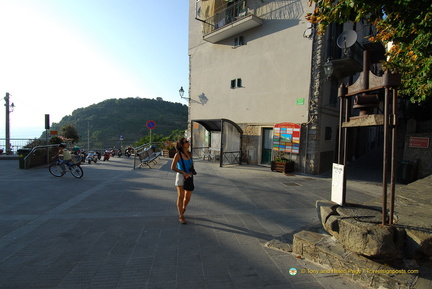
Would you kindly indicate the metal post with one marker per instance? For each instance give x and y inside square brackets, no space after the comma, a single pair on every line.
[88,136]
[341,94]
[221,144]
[385,157]
[47,148]
[8,147]
[342,136]
[345,148]
[393,162]
[366,68]
[47,127]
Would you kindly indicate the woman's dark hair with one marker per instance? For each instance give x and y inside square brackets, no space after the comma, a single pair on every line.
[179,144]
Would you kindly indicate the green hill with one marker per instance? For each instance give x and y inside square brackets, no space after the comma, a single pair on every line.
[106,121]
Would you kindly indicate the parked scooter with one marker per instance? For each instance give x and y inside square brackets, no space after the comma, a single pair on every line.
[91,157]
[107,155]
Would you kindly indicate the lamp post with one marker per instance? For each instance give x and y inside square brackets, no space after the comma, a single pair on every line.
[8,110]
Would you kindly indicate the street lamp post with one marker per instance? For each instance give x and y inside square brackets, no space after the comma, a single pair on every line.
[8,110]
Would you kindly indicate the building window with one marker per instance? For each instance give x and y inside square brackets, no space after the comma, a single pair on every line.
[239,82]
[238,41]
[233,83]
[334,91]
[328,133]
[236,83]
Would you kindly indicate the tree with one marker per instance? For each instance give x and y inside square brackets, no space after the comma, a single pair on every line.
[405,24]
[155,138]
[70,132]
[176,135]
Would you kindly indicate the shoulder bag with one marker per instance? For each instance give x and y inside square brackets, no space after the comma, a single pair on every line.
[188,182]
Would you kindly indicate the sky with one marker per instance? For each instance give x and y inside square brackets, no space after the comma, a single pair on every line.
[60,55]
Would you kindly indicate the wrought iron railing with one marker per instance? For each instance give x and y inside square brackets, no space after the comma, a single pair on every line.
[234,11]
[230,158]
[355,52]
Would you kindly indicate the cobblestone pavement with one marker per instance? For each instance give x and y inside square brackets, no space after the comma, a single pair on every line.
[118,228]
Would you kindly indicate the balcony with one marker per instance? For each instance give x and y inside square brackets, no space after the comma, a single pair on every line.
[234,19]
[347,62]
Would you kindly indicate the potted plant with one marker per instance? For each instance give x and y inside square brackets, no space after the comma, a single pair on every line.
[282,165]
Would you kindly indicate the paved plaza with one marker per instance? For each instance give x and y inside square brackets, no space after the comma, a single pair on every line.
[118,227]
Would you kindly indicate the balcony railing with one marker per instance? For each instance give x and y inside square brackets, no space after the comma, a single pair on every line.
[347,61]
[235,18]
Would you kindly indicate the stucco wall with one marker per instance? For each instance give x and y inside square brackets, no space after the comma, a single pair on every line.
[274,66]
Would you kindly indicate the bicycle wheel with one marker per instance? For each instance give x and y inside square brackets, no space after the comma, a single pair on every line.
[55,170]
[76,171]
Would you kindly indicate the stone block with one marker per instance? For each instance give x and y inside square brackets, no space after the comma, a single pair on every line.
[359,229]
[418,243]
[332,225]
[304,243]
[361,213]
[327,251]
[325,209]
[370,239]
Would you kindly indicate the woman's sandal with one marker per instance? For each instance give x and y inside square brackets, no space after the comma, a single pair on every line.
[182,220]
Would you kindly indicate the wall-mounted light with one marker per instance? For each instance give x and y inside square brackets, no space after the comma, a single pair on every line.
[328,68]
[181,93]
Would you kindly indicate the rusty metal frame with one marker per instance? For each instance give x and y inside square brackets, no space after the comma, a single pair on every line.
[369,82]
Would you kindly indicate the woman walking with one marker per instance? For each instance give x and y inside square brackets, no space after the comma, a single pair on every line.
[182,164]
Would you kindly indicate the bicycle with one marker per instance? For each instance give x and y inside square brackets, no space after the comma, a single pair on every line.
[56,170]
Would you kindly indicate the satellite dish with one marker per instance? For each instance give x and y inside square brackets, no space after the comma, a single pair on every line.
[346,39]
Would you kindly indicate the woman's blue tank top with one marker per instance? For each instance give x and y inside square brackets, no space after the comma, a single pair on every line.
[187,163]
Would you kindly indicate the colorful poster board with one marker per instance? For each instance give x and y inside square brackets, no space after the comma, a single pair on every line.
[286,137]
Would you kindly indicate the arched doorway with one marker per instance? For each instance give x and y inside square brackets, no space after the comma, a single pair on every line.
[218,140]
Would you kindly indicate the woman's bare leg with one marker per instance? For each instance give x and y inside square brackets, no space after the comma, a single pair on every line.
[180,203]
[186,200]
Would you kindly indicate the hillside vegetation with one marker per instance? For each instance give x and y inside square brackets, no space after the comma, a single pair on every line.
[106,121]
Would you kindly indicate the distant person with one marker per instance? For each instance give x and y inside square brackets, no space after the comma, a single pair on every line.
[64,155]
[183,156]
[128,152]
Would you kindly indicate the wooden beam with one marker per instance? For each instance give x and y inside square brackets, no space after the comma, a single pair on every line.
[369,120]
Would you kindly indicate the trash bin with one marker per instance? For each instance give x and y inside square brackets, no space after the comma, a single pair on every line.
[407,172]
[22,153]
